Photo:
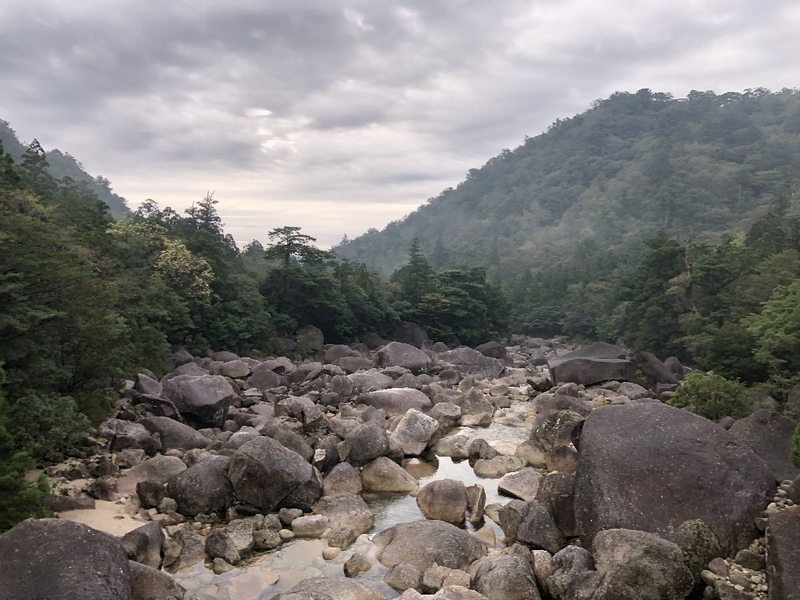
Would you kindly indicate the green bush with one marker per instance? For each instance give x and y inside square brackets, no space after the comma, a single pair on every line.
[47,426]
[796,446]
[712,397]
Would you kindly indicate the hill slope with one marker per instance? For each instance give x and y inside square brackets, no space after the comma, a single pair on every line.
[630,165]
[62,165]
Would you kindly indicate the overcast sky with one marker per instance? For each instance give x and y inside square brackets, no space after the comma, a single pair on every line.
[338,116]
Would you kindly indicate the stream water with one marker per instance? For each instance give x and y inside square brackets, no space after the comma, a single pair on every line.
[278,571]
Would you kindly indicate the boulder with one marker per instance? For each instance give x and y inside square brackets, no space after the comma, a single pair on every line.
[655,370]
[591,364]
[505,577]
[310,337]
[557,492]
[264,377]
[203,400]
[445,500]
[385,475]
[329,588]
[174,435]
[352,364]
[410,333]
[551,429]
[338,351]
[346,511]
[537,528]
[413,433]
[143,545]
[768,433]
[267,475]
[492,350]
[144,384]
[396,401]
[398,354]
[51,558]
[640,462]
[370,381]
[571,566]
[220,545]
[783,555]
[148,583]
[423,543]
[128,434]
[472,362]
[523,484]
[367,442]
[342,480]
[403,576]
[157,470]
[202,488]
[235,369]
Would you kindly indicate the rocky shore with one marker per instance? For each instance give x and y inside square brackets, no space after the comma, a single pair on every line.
[612,494]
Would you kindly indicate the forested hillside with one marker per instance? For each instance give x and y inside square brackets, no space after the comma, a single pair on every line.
[62,165]
[631,165]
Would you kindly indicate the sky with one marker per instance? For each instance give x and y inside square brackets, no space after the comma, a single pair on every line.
[342,115]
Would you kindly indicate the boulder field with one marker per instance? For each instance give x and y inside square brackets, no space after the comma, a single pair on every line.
[610,494]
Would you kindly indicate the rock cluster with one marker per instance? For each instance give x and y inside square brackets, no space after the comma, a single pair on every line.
[613,494]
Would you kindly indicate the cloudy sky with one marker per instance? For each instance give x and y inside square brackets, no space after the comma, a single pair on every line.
[341,115]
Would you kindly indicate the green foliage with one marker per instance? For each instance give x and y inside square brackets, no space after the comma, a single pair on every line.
[777,329]
[796,446]
[47,426]
[712,397]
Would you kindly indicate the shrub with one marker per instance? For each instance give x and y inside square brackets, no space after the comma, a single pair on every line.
[796,446]
[47,426]
[712,397]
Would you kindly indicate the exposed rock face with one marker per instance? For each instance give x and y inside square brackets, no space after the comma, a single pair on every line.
[768,433]
[472,362]
[783,555]
[591,364]
[203,400]
[267,475]
[175,435]
[445,500]
[505,578]
[50,558]
[396,401]
[202,488]
[398,354]
[640,462]
[423,543]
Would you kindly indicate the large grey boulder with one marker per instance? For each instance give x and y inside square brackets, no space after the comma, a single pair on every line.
[310,337]
[369,381]
[522,484]
[655,370]
[175,435]
[398,354]
[768,433]
[338,351]
[202,488]
[264,377]
[413,433]
[640,462]
[396,401]
[51,558]
[128,434]
[329,588]
[367,442]
[472,362]
[346,511]
[267,475]
[410,333]
[157,470]
[591,364]
[143,545]
[385,475]
[422,543]
[445,500]
[505,577]
[148,583]
[783,555]
[203,400]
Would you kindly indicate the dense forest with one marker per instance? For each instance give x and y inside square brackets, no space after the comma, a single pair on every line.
[672,225]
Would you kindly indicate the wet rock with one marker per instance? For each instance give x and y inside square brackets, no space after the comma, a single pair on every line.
[267,475]
[422,543]
[50,558]
[445,500]
[356,565]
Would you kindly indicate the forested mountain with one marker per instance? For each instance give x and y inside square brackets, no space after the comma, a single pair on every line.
[61,165]
[631,165]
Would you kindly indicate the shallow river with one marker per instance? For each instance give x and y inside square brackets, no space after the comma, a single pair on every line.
[267,574]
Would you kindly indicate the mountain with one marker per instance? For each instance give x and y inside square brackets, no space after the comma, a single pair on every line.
[62,164]
[630,165]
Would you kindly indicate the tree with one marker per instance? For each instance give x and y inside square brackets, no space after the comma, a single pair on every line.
[712,397]
[288,244]
[415,278]
[203,215]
